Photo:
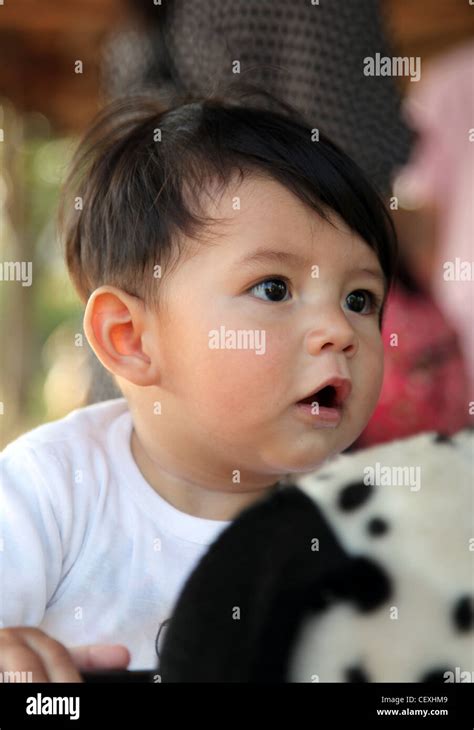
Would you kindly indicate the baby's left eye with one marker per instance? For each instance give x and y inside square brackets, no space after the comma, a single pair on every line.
[274,287]
[357,299]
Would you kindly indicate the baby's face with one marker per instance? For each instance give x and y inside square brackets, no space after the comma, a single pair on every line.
[229,399]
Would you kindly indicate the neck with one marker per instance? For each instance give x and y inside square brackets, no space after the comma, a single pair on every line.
[192,496]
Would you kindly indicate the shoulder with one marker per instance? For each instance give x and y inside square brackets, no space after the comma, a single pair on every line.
[55,453]
[77,428]
[89,421]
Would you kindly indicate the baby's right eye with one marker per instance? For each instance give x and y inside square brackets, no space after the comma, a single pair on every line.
[274,287]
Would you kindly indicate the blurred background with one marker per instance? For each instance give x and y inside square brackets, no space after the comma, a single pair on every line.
[61,61]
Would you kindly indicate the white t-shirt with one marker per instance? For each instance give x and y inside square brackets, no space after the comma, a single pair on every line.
[91,553]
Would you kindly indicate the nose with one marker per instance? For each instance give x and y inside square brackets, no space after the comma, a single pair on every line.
[333,332]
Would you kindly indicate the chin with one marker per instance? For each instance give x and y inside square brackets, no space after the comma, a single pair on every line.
[303,462]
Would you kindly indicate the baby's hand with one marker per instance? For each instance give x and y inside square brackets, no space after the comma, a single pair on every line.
[26,649]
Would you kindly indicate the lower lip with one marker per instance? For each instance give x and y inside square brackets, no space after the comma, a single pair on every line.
[326,418]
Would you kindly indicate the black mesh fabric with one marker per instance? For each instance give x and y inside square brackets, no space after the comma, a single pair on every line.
[309,55]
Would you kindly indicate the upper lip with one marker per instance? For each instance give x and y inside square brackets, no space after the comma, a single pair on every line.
[342,386]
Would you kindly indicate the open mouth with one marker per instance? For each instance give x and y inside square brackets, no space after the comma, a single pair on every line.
[326,397]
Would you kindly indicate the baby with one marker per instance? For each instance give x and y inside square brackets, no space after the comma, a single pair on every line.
[235,265]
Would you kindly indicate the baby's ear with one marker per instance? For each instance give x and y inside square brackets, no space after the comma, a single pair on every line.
[114,324]
[237,617]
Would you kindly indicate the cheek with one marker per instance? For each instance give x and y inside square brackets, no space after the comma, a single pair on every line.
[372,373]
[238,381]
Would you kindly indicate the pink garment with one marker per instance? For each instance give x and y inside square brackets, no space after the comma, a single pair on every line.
[425,380]
[441,108]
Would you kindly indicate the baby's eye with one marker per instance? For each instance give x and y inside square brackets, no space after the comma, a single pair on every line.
[274,288]
[361,298]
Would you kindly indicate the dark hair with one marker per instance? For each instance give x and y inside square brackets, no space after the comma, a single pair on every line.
[140,174]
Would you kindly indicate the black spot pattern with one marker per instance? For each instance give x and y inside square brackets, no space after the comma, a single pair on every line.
[442,438]
[356,674]
[463,613]
[377,526]
[434,675]
[361,581]
[354,495]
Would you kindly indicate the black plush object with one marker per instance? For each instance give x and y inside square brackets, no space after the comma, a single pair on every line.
[273,577]
[388,597]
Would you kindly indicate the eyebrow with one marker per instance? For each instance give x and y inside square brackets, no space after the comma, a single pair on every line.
[264,255]
[374,273]
[267,255]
